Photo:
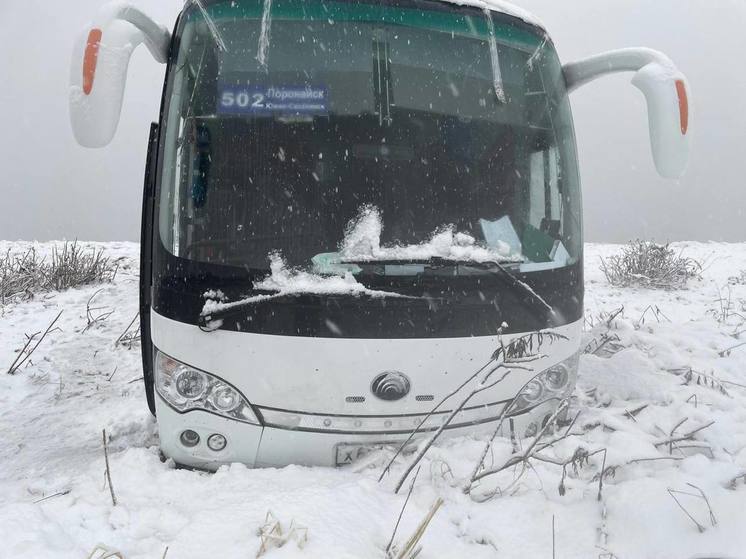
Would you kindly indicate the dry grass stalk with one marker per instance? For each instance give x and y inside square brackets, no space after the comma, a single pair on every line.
[58,494]
[690,376]
[401,513]
[647,264]
[699,495]
[733,483]
[737,333]
[602,532]
[18,275]
[725,306]
[103,552]
[610,471]
[70,265]
[22,353]
[93,319]
[515,355]
[601,477]
[607,343]
[481,387]
[672,440]
[635,412]
[25,353]
[656,312]
[478,471]
[131,335]
[108,471]
[273,535]
[410,550]
[727,351]
[604,317]
[577,460]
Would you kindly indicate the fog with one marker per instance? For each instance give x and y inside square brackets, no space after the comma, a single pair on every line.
[52,189]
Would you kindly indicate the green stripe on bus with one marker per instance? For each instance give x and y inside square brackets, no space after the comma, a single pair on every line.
[298,10]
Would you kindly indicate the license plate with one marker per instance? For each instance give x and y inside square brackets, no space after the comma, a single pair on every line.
[349,453]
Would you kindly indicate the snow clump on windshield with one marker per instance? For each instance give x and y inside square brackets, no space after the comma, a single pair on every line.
[362,242]
[287,280]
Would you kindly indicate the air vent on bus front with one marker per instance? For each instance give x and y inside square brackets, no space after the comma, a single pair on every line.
[424,398]
[355,399]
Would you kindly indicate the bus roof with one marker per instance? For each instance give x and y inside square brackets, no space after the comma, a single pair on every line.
[501,6]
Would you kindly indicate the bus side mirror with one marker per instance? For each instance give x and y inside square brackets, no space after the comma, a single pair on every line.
[98,73]
[666,92]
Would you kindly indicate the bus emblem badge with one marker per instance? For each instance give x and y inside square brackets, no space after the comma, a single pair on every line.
[390,386]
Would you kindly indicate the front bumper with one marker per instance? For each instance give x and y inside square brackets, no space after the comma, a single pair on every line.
[258,446]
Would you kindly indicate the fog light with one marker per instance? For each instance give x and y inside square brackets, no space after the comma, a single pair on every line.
[216,442]
[189,438]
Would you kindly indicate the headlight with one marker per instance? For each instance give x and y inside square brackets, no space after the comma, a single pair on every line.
[555,383]
[190,384]
[224,398]
[185,388]
[533,391]
[557,377]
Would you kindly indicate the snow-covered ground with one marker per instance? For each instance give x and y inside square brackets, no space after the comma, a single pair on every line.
[54,501]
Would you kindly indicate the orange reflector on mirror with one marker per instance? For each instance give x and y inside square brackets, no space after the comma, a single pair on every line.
[91,59]
[683,106]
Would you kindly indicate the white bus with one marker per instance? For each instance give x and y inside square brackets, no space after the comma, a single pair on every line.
[349,208]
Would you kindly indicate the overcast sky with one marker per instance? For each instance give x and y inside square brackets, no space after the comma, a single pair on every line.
[53,189]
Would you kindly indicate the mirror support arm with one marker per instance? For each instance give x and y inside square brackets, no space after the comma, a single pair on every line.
[666,93]
[581,72]
[156,37]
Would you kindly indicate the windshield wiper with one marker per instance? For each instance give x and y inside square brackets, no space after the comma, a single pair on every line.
[530,298]
[211,314]
[432,262]
[535,303]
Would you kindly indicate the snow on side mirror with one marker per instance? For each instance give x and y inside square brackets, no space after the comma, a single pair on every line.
[98,73]
[666,92]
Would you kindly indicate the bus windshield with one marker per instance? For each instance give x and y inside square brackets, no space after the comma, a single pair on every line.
[288,120]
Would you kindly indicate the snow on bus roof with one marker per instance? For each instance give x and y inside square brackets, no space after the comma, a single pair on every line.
[503,7]
[496,5]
